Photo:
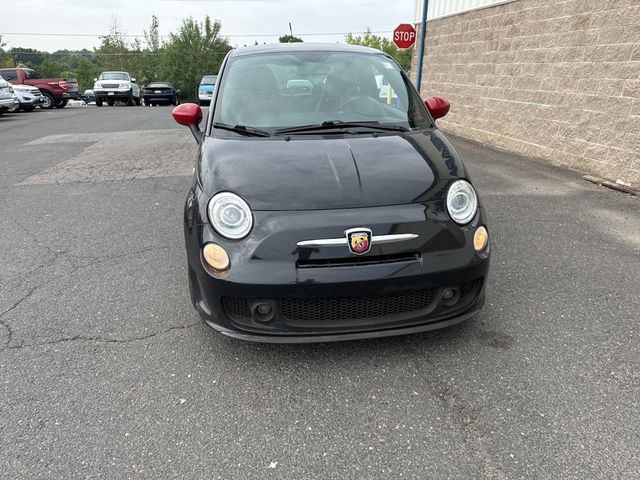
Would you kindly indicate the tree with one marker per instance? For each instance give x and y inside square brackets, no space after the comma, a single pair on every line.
[195,50]
[152,37]
[5,58]
[85,73]
[116,53]
[290,39]
[402,56]
[50,69]
[152,53]
[28,56]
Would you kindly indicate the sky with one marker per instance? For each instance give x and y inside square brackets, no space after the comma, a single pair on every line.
[77,24]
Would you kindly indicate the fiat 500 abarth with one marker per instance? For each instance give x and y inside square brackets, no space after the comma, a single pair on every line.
[323,210]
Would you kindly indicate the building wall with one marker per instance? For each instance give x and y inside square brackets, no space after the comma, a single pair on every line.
[558,80]
[443,8]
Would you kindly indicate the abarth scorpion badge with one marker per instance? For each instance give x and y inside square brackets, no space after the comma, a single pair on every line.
[359,240]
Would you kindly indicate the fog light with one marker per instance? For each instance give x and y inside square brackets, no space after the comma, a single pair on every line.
[216,256]
[480,239]
[450,296]
[264,309]
[262,312]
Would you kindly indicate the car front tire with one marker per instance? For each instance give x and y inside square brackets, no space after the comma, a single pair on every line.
[62,103]
[49,101]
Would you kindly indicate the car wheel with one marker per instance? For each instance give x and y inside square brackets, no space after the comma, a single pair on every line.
[131,101]
[138,101]
[49,101]
[174,102]
[62,103]
[98,102]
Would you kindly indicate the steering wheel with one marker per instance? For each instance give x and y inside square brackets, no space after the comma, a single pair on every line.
[363,105]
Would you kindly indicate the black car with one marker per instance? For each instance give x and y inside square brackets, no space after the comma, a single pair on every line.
[157,93]
[333,213]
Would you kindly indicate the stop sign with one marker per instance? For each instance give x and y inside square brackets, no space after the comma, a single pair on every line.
[404,35]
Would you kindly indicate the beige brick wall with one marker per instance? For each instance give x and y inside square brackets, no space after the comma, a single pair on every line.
[558,80]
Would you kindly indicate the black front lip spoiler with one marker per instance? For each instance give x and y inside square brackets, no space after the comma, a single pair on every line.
[343,337]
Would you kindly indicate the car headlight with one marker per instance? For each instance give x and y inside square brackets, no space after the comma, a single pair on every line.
[462,202]
[230,215]
[97,85]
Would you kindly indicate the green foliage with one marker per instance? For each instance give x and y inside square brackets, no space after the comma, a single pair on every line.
[85,72]
[116,53]
[401,55]
[290,39]
[5,58]
[195,50]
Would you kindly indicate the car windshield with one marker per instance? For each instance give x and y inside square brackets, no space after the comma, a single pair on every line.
[114,76]
[300,88]
[209,80]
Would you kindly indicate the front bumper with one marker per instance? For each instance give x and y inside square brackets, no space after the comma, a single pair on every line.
[113,94]
[205,97]
[396,289]
[30,100]
[8,103]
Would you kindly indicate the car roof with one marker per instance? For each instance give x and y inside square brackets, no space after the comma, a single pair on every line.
[302,47]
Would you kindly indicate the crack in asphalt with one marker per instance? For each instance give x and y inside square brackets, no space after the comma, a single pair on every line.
[463,414]
[10,309]
[74,268]
[83,338]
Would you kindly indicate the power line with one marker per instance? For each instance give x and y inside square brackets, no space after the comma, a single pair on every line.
[98,35]
[81,54]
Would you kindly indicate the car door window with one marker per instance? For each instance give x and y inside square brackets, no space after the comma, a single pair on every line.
[8,75]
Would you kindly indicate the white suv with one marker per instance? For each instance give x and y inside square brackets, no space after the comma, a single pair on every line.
[112,86]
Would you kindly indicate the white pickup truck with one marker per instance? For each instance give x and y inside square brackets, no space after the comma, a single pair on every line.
[116,86]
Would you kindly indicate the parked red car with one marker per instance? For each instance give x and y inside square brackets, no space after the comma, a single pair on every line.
[56,91]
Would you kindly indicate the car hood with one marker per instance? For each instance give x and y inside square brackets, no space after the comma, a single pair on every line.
[309,173]
[26,89]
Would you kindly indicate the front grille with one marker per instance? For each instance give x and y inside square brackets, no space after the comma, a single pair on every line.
[358,261]
[110,85]
[357,307]
[237,307]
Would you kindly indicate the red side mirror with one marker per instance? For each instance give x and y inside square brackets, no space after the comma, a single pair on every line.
[188,114]
[438,107]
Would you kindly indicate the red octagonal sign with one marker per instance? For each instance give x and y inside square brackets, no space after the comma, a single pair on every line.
[404,35]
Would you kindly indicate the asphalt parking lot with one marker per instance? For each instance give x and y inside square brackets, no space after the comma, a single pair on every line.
[107,372]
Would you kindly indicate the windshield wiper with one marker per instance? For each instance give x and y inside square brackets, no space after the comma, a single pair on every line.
[242,129]
[333,124]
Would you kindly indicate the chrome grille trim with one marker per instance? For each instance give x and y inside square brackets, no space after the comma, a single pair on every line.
[341,242]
